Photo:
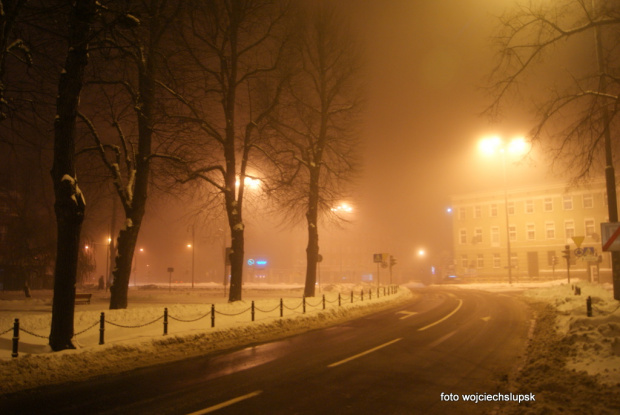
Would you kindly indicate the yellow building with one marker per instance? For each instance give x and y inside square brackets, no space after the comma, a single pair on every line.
[540,222]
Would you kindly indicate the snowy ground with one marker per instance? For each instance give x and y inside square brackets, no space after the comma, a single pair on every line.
[588,344]
[141,340]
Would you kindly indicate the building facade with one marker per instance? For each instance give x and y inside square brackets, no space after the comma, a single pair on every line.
[532,226]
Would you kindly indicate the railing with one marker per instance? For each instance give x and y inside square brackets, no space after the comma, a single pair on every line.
[166,317]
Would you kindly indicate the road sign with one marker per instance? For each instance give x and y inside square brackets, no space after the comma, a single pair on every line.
[578,240]
[609,236]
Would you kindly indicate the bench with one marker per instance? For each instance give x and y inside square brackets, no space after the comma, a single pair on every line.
[82,298]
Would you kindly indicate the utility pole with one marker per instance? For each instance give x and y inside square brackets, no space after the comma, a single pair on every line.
[610,177]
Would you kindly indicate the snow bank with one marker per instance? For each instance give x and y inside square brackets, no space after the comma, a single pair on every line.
[189,328]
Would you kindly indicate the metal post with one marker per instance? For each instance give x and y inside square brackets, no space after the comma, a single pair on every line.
[212,315]
[165,321]
[589,306]
[323,301]
[252,310]
[304,304]
[508,253]
[281,307]
[339,302]
[15,338]
[102,328]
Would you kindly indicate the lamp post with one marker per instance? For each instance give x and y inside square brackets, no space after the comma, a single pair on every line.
[491,146]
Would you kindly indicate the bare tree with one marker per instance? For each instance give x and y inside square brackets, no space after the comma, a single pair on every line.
[234,53]
[316,126]
[125,79]
[70,204]
[578,116]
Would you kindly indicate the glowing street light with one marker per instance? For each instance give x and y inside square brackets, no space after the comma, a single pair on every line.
[343,207]
[491,146]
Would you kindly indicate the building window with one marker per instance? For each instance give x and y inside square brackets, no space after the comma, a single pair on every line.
[462,213]
[512,232]
[464,262]
[530,231]
[514,260]
[569,229]
[589,225]
[588,201]
[477,235]
[477,212]
[511,208]
[493,210]
[496,261]
[548,204]
[550,230]
[529,206]
[463,236]
[480,261]
[495,236]
[567,202]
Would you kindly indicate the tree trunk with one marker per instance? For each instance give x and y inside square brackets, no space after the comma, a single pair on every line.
[312,249]
[69,205]
[126,244]
[236,265]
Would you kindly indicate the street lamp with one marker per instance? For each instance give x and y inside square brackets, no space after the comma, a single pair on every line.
[491,146]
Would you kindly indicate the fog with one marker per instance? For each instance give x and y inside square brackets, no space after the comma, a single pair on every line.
[427,63]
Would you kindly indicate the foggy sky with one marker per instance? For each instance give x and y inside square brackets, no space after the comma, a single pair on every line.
[427,63]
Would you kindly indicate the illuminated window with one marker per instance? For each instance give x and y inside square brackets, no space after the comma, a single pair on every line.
[550,230]
[567,202]
[588,201]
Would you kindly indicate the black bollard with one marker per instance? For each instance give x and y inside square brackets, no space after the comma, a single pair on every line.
[589,306]
[101,328]
[212,315]
[165,321]
[15,338]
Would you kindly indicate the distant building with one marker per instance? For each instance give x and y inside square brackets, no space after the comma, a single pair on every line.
[541,222]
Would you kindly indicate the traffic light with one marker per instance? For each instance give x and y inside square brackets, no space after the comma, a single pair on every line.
[392,261]
[566,252]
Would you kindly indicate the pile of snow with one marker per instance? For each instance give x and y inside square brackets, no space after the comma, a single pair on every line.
[134,337]
[594,341]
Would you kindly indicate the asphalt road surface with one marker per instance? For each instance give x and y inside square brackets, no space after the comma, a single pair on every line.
[398,361]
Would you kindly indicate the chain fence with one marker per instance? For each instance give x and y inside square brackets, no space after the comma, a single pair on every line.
[303,304]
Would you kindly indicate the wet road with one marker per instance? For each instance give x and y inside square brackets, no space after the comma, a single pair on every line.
[398,361]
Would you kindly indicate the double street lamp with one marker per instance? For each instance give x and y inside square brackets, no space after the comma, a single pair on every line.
[491,146]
